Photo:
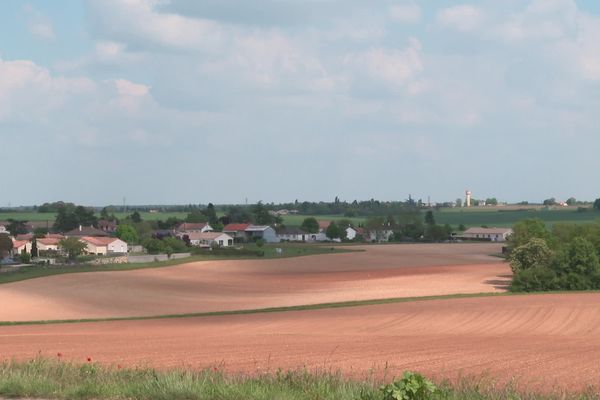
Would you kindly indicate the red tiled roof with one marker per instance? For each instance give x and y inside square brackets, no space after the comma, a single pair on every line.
[235,227]
[19,243]
[25,236]
[49,241]
[98,241]
[324,224]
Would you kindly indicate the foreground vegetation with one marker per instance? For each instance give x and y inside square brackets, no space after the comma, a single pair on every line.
[55,379]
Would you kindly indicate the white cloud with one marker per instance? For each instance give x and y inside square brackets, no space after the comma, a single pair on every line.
[395,66]
[39,25]
[409,13]
[464,18]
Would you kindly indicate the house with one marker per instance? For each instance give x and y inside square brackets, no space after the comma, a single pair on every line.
[379,235]
[25,236]
[86,231]
[20,246]
[491,234]
[293,235]
[208,239]
[3,229]
[188,227]
[45,244]
[107,226]
[103,245]
[263,232]
[351,233]
[237,231]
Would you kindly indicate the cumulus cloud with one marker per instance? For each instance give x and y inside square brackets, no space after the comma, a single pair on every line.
[464,18]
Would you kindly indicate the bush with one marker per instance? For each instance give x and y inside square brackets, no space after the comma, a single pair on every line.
[535,279]
[412,386]
[25,258]
[260,242]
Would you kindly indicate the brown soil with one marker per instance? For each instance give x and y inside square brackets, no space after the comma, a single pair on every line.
[545,340]
[379,272]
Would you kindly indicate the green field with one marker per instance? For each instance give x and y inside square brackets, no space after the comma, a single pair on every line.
[476,216]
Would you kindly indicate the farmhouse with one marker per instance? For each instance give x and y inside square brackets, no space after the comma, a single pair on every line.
[293,235]
[208,239]
[20,247]
[263,232]
[237,231]
[103,245]
[45,244]
[351,233]
[189,227]
[491,234]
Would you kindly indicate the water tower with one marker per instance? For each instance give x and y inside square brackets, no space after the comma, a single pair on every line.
[468,198]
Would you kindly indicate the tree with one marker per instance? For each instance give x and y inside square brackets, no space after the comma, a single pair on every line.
[260,214]
[127,233]
[333,231]
[597,204]
[491,201]
[310,225]
[16,227]
[535,253]
[69,217]
[196,216]
[34,248]
[73,247]
[550,202]
[429,218]
[211,214]
[458,202]
[136,217]
[525,230]
[6,245]
[571,201]
[579,257]
[25,257]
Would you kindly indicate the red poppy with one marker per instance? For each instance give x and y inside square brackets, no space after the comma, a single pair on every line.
[59,354]
[89,359]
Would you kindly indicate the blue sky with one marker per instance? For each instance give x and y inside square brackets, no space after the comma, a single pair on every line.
[187,101]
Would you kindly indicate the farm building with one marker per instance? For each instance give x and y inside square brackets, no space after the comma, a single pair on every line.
[189,227]
[208,239]
[237,231]
[492,234]
[264,232]
[293,235]
[103,245]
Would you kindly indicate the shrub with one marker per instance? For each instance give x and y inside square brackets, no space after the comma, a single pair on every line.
[260,242]
[25,258]
[535,253]
[535,279]
[412,386]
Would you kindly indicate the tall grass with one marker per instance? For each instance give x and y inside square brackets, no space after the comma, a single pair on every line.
[53,379]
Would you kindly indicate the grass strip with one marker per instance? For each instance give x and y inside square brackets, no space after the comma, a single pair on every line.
[306,307]
[55,379]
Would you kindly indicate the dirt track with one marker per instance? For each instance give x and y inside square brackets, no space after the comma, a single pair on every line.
[546,340]
[379,272]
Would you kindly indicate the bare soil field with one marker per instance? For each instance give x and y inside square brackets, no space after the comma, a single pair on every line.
[546,340]
[382,271]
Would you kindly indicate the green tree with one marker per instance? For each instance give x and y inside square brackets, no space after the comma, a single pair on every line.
[571,201]
[34,248]
[579,257]
[429,218]
[260,214]
[6,245]
[135,217]
[127,233]
[333,231]
[310,225]
[196,216]
[524,231]
[597,204]
[211,214]
[25,257]
[533,254]
[73,247]
[492,201]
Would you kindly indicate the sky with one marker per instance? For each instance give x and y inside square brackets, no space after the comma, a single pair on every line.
[197,101]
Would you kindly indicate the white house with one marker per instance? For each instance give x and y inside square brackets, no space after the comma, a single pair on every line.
[104,245]
[264,232]
[208,239]
[20,246]
[293,235]
[3,230]
[351,233]
[491,234]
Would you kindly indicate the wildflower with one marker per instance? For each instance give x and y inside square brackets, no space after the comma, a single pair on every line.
[89,359]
